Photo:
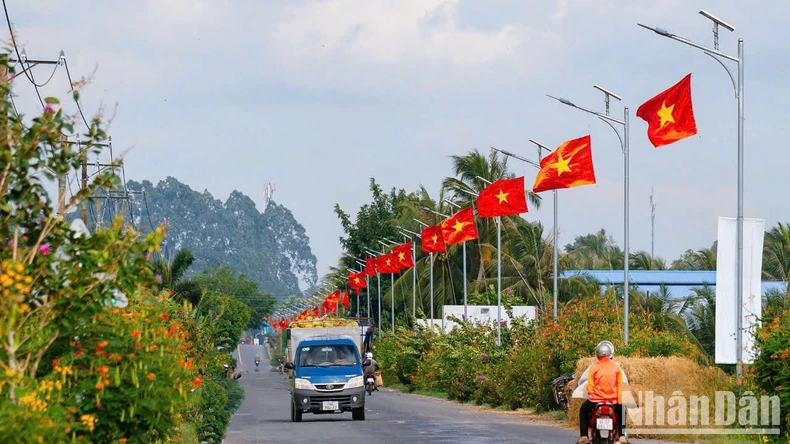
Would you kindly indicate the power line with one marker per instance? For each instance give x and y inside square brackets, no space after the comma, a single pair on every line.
[13,40]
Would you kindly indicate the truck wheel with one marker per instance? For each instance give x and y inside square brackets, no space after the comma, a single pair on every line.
[296,414]
[358,414]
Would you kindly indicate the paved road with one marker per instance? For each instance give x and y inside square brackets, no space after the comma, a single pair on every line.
[392,417]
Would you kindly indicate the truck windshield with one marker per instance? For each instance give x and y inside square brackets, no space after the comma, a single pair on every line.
[328,356]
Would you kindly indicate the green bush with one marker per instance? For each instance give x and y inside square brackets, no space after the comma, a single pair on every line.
[771,370]
[214,406]
[234,392]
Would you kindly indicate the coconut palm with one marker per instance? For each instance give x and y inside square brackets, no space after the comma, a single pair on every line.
[595,251]
[776,253]
[701,318]
[172,275]
[641,260]
[702,259]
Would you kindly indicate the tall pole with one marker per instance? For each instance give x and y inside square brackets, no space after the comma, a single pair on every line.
[626,188]
[652,226]
[378,281]
[466,314]
[414,281]
[84,209]
[739,274]
[392,285]
[499,281]
[554,265]
[431,290]
[367,286]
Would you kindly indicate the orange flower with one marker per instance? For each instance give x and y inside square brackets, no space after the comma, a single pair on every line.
[135,333]
[104,369]
[197,382]
[79,353]
[101,345]
[99,385]
[165,316]
[151,376]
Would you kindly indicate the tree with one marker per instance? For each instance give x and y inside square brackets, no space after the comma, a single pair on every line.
[172,277]
[223,280]
[776,253]
[701,318]
[702,259]
[641,260]
[596,251]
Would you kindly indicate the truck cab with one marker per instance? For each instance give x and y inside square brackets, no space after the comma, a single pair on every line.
[327,378]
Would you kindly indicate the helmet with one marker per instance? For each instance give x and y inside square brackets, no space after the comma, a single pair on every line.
[369,355]
[604,348]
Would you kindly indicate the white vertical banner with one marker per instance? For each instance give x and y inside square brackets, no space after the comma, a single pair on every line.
[726,269]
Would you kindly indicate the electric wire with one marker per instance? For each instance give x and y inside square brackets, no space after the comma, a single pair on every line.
[13,40]
[71,85]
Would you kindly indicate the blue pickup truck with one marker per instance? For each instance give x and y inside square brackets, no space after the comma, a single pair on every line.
[327,377]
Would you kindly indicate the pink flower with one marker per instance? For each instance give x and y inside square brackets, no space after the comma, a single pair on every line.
[508,290]
[484,356]
[481,378]
[44,249]
[503,322]
[159,278]
[51,108]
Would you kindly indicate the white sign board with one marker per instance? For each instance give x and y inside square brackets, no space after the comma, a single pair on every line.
[483,314]
[726,269]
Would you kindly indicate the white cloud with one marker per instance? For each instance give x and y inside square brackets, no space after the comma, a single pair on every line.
[400,35]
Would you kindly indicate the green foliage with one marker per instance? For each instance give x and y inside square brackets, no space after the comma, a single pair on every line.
[215,418]
[467,364]
[233,233]
[223,280]
[227,318]
[771,369]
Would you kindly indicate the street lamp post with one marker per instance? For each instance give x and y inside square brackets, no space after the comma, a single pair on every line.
[392,286]
[624,145]
[378,282]
[430,255]
[463,258]
[554,230]
[414,270]
[464,246]
[738,87]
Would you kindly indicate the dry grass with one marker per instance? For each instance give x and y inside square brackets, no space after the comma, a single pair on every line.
[664,377]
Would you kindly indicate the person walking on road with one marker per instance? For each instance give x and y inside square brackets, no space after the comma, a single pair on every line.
[369,338]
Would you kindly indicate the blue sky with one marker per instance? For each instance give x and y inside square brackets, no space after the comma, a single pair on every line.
[318,96]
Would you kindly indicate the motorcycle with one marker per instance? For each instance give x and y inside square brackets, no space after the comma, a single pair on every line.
[559,388]
[370,383]
[257,363]
[603,428]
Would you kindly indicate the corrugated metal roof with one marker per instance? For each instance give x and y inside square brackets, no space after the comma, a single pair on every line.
[680,283]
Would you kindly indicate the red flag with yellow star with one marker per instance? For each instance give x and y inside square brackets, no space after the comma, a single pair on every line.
[669,115]
[357,281]
[568,166]
[346,303]
[403,255]
[431,240]
[459,227]
[387,263]
[502,198]
[370,266]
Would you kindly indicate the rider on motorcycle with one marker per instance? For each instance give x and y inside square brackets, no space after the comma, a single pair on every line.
[601,380]
[373,367]
[257,360]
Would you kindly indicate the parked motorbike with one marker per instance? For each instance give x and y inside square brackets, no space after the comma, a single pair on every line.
[603,428]
[370,383]
[559,387]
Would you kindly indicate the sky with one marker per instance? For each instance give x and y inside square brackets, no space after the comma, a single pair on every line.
[317,97]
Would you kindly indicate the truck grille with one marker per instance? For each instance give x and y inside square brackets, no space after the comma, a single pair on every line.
[330,387]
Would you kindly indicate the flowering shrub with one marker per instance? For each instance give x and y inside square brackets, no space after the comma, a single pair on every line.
[771,370]
[467,364]
[72,366]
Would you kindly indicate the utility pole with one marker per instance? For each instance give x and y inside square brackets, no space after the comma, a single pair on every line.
[84,186]
[652,225]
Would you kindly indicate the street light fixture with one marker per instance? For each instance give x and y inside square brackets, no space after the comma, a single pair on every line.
[738,87]
[409,234]
[445,216]
[624,145]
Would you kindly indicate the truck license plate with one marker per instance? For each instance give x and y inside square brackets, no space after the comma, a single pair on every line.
[604,423]
[330,405]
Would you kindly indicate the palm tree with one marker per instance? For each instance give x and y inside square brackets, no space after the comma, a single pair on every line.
[596,251]
[171,275]
[641,260]
[702,259]
[776,253]
[701,318]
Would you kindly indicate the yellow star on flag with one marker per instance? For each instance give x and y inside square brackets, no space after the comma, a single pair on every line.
[402,256]
[459,226]
[435,239]
[502,196]
[561,165]
[356,280]
[388,262]
[665,113]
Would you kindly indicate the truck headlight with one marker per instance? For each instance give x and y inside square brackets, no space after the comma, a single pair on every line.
[303,384]
[356,381]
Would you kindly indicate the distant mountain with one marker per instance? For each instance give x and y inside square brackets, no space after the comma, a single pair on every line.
[271,248]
